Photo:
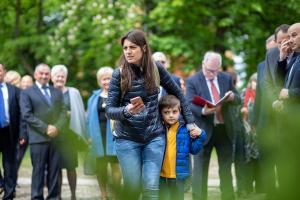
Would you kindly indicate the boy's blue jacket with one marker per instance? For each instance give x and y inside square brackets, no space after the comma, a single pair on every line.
[184,146]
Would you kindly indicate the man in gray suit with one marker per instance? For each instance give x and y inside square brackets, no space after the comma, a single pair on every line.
[212,85]
[42,109]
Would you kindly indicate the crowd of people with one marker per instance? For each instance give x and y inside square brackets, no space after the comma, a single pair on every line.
[147,131]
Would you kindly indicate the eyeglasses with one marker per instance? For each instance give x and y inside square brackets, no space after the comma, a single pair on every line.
[211,70]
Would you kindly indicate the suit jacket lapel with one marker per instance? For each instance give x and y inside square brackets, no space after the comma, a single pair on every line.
[204,85]
[40,94]
[10,94]
[221,85]
[52,93]
[296,63]
[274,63]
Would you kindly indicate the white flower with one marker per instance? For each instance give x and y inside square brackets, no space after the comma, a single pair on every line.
[104,21]
[131,14]
[71,37]
[107,46]
[60,25]
[110,17]
[62,50]
[106,32]
[70,12]
[95,4]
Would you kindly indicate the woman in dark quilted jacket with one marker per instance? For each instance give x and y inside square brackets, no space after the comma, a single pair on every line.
[138,130]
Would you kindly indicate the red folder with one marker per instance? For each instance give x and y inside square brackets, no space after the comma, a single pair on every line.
[197,100]
[200,101]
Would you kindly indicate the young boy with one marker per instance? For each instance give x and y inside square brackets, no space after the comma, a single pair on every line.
[180,143]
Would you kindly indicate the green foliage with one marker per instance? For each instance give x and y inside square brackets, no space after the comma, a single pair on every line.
[84,34]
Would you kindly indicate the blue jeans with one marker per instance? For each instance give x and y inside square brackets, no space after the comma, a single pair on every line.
[141,164]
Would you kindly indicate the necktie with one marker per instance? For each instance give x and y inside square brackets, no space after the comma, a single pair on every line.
[46,94]
[2,109]
[216,97]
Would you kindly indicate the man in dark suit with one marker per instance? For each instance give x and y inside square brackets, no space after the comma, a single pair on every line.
[42,109]
[266,120]
[9,132]
[271,80]
[212,84]
[288,106]
[260,122]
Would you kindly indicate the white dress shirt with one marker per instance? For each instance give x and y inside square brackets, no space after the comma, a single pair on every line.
[42,90]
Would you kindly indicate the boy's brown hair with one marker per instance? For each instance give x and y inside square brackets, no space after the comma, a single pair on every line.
[168,101]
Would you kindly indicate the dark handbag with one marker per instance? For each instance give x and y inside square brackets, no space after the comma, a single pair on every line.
[89,164]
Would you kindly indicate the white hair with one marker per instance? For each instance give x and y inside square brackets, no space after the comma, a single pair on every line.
[59,68]
[104,70]
[212,55]
[159,56]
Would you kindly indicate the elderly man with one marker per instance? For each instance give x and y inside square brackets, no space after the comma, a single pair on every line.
[42,109]
[9,129]
[212,84]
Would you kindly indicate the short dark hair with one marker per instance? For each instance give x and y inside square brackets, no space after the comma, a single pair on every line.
[168,101]
[283,27]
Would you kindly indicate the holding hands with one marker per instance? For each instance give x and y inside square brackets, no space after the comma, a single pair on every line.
[195,131]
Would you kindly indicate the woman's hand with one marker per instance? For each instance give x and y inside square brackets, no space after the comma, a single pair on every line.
[136,108]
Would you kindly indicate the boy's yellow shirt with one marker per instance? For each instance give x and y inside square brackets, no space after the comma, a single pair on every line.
[169,165]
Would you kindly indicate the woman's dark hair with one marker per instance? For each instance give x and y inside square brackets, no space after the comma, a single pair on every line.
[137,37]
